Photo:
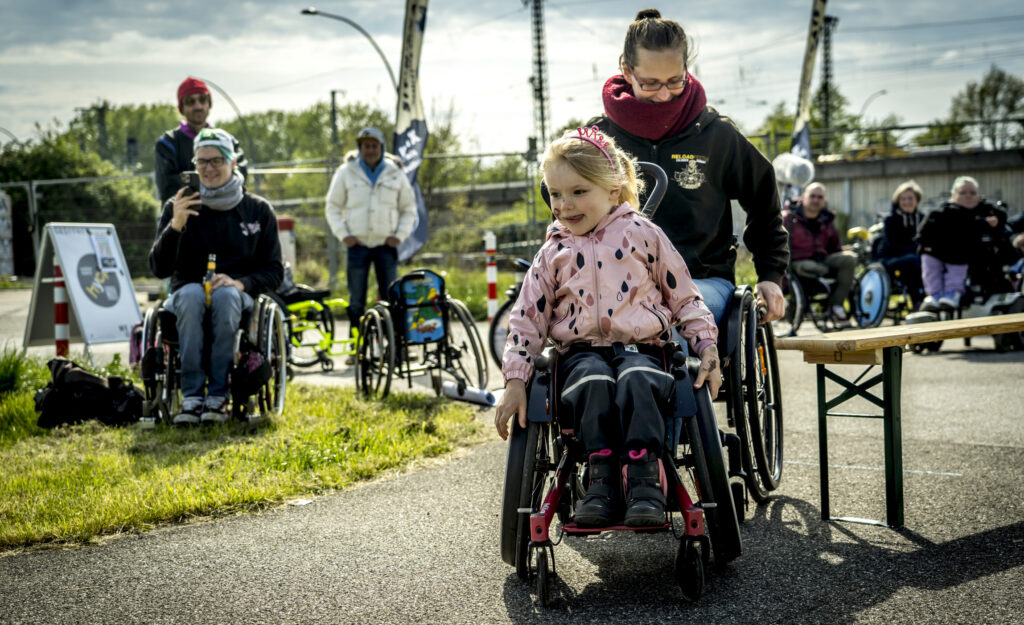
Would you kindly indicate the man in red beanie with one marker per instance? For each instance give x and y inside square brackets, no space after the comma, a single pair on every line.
[174,147]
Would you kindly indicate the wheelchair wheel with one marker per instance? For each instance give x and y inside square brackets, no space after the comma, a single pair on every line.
[272,344]
[514,463]
[152,364]
[375,353]
[869,298]
[465,346]
[497,331]
[741,379]
[689,569]
[713,483]
[534,486]
[796,307]
[764,399]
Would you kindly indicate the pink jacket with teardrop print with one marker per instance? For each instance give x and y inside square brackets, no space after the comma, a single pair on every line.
[622,282]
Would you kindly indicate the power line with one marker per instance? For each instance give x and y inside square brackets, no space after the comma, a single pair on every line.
[917,25]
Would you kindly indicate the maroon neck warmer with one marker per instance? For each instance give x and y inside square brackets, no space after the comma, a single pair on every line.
[652,120]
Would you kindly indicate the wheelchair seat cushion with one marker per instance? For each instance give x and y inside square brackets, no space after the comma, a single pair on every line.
[303,293]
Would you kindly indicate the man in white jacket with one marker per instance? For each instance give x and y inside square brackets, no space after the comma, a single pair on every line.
[372,209]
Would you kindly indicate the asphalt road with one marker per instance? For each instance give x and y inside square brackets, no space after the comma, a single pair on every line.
[422,546]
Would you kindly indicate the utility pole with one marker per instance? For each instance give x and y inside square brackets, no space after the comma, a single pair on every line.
[332,241]
[831,22]
[539,79]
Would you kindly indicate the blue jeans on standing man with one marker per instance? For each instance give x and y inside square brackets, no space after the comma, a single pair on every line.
[385,266]
[189,306]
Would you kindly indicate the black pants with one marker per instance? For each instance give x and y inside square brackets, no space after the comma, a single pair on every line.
[615,397]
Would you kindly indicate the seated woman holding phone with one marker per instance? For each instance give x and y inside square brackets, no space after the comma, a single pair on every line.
[213,220]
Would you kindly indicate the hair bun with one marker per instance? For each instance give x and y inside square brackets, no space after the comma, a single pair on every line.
[647,13]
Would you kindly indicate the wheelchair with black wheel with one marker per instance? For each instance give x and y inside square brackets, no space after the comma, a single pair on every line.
[545,477]
[257,376]
[420,330]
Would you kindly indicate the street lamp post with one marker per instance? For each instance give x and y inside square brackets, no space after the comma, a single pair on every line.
[315,11]
[869,100]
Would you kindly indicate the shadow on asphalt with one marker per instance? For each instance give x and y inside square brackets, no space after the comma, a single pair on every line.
[793,564]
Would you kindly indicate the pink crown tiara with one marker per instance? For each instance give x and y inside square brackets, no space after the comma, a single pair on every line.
[593,135]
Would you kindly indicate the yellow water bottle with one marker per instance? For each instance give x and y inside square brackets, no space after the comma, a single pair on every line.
[211,267]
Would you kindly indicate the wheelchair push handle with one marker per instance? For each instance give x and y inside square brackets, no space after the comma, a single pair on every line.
[658,192]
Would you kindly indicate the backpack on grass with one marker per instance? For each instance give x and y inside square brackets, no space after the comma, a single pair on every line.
[75,395]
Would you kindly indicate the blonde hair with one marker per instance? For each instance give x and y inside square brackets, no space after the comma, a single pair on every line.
[910,185]
[587,160]
[959,181]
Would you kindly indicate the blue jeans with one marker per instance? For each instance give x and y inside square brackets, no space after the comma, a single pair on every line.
[716,293]
[189,305]
[385,266]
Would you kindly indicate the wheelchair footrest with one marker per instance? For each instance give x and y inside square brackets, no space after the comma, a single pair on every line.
[573,529]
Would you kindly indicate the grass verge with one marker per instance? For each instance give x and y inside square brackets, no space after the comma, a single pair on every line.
[73,484]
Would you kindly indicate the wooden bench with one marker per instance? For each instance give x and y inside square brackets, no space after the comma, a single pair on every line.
[879,346]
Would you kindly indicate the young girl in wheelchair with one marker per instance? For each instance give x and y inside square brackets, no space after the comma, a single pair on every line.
[606,287]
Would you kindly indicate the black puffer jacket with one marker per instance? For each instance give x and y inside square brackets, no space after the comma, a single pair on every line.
[960,236]
[244,239]
[709,164]
[899,230]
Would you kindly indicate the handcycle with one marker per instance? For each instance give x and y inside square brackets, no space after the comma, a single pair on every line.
[545,477]
[420,330]
[258,375]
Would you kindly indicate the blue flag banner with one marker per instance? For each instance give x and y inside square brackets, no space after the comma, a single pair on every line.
[410,122]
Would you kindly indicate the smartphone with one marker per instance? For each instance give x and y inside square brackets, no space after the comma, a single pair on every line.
[190,179]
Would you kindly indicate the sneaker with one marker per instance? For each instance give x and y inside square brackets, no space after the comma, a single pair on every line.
[645,499]
[215,409]
[930,304]
[597,508]
[839,316]
[191,409]
[950,299]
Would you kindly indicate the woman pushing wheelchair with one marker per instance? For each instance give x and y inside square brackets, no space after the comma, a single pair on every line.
[606,287]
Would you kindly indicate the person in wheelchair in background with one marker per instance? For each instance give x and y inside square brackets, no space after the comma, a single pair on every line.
[815,251]
[220,219]
[965,234]
[606,286]
[897,249]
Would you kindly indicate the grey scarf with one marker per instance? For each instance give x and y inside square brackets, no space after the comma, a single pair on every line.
[224,197]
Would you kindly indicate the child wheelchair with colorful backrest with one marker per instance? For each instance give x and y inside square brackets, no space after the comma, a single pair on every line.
[258,373]
[545,477]
[420,330]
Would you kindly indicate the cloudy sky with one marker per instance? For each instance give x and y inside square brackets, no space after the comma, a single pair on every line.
[56,55]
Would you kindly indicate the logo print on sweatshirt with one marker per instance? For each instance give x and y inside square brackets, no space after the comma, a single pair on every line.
[691,177]
[250,229]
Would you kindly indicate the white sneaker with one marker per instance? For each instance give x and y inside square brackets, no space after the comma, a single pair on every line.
[215,409]
[839,316]
[191,408]
[950,300]
[930,304]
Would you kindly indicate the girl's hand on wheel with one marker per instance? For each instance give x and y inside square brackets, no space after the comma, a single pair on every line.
[513,402]
[709,371]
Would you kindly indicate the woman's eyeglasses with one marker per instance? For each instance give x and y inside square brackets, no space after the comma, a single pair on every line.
[203,162]
[654,85]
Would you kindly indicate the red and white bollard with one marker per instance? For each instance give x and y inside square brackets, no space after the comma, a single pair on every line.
[61,331]
[490,248]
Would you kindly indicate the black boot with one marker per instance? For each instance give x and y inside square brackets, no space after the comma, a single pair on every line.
[645,501]
[598,507]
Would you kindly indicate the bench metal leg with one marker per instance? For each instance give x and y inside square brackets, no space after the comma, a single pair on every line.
[890,379]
